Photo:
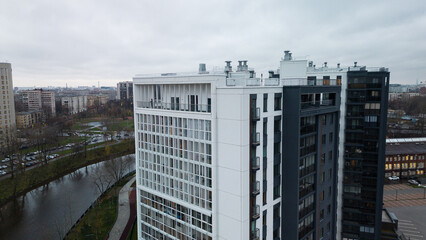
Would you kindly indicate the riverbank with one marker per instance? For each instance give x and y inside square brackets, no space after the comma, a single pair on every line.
[98,220]
[31,179]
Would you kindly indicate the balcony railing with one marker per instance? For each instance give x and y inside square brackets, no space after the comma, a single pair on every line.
[175,106]
[317,104]
[256,212]
[255,234]
[255,163]
[255,114]
[256,139]
[256,188]
[306,210]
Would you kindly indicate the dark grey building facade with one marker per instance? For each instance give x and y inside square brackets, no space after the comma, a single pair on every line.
[310,143]
[364,156]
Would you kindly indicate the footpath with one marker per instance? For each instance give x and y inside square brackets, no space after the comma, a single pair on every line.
[126,212]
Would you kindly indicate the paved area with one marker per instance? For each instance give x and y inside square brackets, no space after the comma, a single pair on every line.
[412,221]
[403,195]
[123,211]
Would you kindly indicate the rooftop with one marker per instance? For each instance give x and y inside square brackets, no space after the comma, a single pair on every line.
[406,148]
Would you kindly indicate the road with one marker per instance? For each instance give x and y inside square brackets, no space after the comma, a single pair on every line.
[67,155]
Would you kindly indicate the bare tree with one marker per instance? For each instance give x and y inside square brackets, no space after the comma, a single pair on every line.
[101,180]
[118,167]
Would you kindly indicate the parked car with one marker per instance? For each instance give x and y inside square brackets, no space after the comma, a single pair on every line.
[2,173]
[414,182]
[393,178]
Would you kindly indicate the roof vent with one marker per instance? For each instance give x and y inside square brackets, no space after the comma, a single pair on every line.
[325,64]
[338,65]
[240,66]
[287,55]
[311,64]
[202,68]
[228,67]
[355,63]
[245,66]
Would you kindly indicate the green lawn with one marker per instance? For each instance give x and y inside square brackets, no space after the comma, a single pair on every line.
[99,220]
[53,170]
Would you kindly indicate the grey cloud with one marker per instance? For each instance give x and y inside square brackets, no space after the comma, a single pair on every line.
[82,42]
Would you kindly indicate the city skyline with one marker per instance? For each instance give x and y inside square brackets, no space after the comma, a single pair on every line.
[83,43]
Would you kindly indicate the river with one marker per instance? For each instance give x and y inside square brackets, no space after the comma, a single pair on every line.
[48,212]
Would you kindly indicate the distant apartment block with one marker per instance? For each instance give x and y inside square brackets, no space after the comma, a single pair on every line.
[125,90]
[29,119]
[74,104]
[39,99]
[227,155]
[93,100]
[7,104]
[405,157]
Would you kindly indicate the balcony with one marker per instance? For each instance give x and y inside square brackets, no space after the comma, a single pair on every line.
[256,139]
[206,108]
[306,210]
[255,163]
[255,234]
[255,114]
[317,104]
[256,188]
[305,190]
[256,212]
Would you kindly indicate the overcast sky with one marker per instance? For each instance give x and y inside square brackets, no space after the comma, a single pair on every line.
[83,42]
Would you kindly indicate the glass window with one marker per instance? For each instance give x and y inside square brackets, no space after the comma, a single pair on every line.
[265,102]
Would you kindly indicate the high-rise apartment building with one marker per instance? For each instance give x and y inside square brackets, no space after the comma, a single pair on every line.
[364,152]
[7,104]
[125,90]
[228,155]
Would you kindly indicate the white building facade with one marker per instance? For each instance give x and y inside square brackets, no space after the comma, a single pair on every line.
[210,160]
[192,145]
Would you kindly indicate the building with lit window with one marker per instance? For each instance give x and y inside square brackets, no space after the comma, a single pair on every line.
[229,155]
[405,157]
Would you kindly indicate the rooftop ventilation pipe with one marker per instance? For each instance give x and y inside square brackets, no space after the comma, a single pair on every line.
[287,55]
[240,66]
[202,68]
[245,66]
[228,67]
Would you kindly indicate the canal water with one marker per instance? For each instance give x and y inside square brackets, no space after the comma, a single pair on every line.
[48,212]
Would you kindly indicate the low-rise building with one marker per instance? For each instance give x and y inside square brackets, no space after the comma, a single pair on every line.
[405,157]
[28,119]
[93,100]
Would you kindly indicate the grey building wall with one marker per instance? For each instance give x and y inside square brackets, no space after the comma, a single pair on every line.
[321,194]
